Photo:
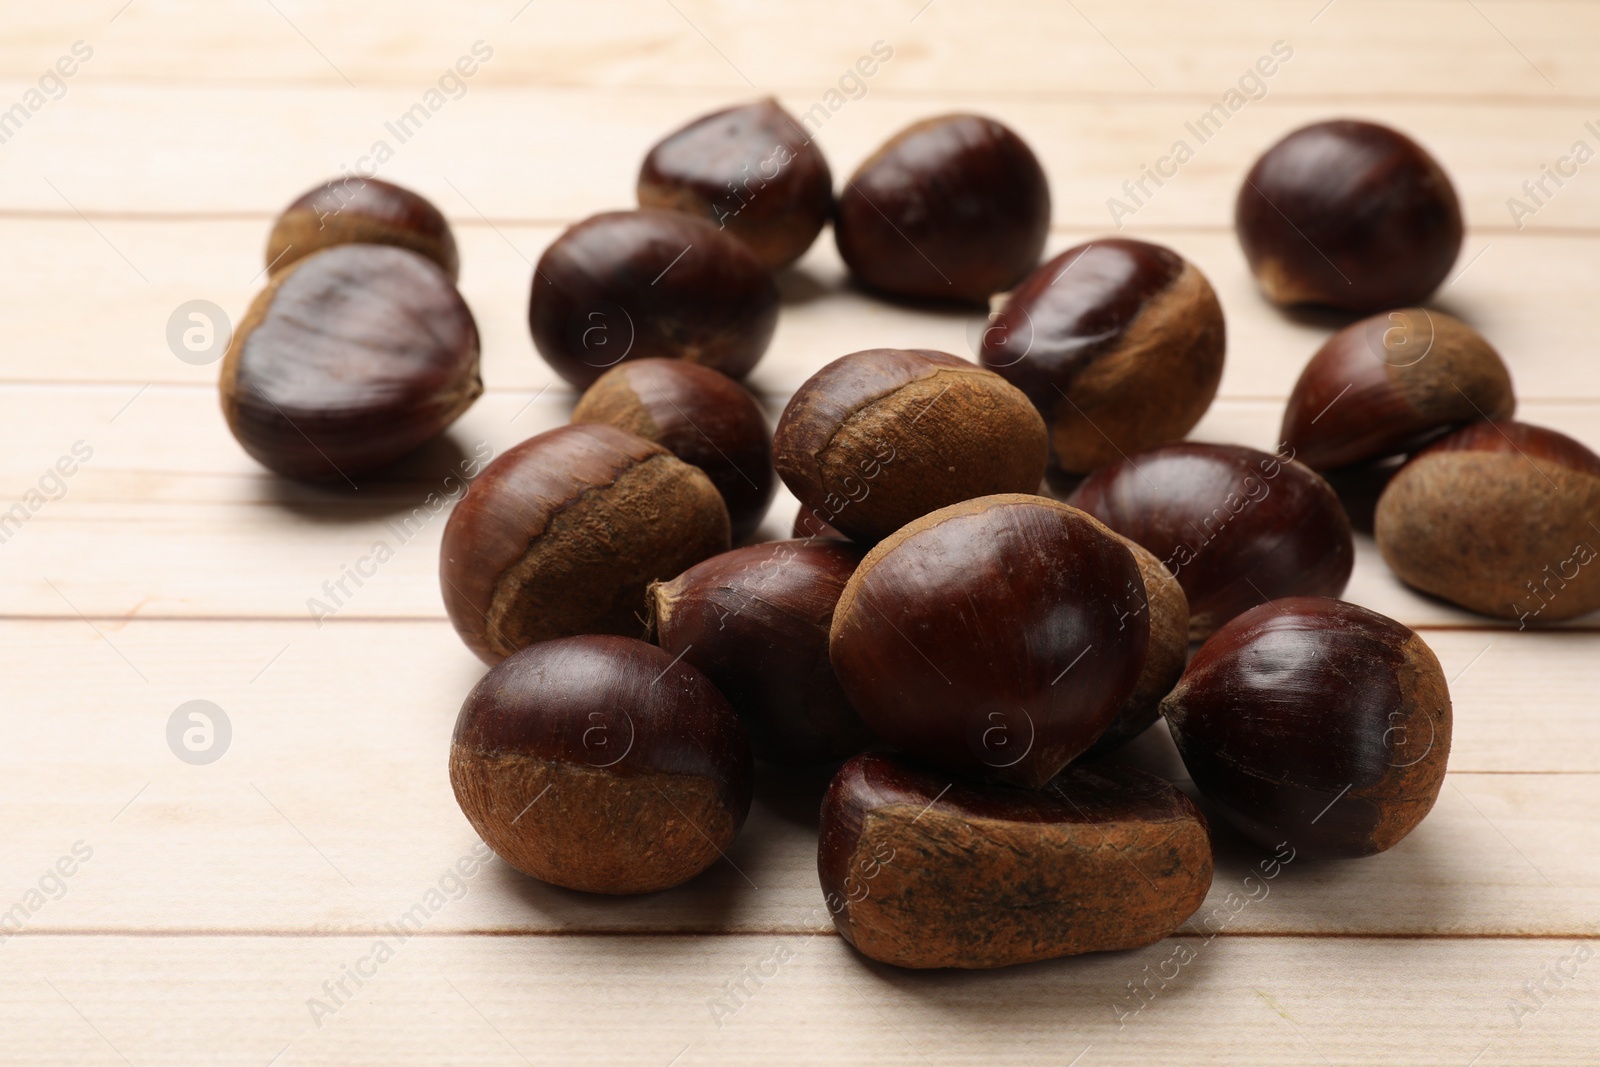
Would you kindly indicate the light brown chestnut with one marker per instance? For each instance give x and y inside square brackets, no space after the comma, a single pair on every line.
[700,416]
[878,438]
[1390,383]
[354,210]
[1501,518]
[563,534]
[1118,343]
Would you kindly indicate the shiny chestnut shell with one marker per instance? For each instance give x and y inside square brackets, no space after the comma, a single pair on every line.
[953,208]
[1350,215]
[1499,517]
[998,637]
[751,170]
[348,360]
[1390,383]
[699,415]
[1118,343]
[1317,723]
[1236,526]
[356,210]
[650,285]
[755,621]
[601,764]
[563,534]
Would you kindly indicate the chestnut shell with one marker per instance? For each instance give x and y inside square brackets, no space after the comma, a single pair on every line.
[356,210]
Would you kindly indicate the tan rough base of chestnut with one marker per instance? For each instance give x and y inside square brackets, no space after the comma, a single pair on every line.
[590,828]
[1419,731]
[1459,379]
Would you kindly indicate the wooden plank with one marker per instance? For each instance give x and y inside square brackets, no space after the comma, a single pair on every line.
[614,1001]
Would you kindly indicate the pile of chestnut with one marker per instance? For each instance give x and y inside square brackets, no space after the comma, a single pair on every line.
[972,649]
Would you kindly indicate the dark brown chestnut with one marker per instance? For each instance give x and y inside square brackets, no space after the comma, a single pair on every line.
[1118,343]
[1392,382]
[1501,518]
[351,209]
[650,285]
[755,621]
[1235,526]
[699,415]
[563,534]
[877,438]
[348,360]
[920,871]
[753,171]
[601,764]
[808,526]
[954,208]
[997,637]
[1317,723]
[1349,215]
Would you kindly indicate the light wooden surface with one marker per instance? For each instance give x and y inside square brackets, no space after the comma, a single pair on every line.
[217,900]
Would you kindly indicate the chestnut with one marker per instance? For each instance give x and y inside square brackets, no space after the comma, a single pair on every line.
[563,534]
[1349,215]
[355,210]
[700,416]
[877,438]
[953,208]
[751,170]
[808,526]
[1392,382]
[348,360]
[1235,526]
[1118,343]
[755,621]
[1315,722]
[1499,517]
[920,871]
[602,764]
[997,637]
[650,284]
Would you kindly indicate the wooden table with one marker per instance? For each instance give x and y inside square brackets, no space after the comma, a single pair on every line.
[212,911]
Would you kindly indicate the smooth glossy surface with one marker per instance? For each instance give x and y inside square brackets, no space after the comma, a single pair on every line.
[355,210]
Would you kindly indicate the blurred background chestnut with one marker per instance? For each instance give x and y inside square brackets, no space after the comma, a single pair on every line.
[351,209]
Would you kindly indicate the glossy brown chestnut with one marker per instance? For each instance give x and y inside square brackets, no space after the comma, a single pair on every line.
[877,438]
[753,171]
[755,621]
[1392,382]
[997,637]
[601,764]
[1316,722]
[953,208]
[1163,661]
[920,871]
[563,534]
[348,360]
[1349,215]
[699,415]
[650,285]
[1118,343]
[1499,517]
[354,210]
[1235,526]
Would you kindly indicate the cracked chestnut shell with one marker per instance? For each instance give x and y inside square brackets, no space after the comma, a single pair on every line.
[922,871]
[953,208]
[1390,383]
[355,210]
[998,637]
[348,360]
[650,285]
[563,534]
[598,763]
[1118,343]
[755,621]
[1349,215]
[1235,526]
[877,438]
[1499,517]
[1316,722]
[700,416]
[751,170]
